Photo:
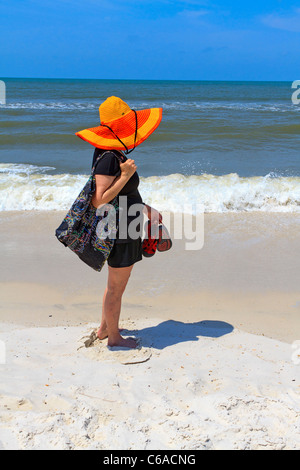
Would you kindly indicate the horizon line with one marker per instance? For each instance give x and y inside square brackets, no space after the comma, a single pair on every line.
[145,79]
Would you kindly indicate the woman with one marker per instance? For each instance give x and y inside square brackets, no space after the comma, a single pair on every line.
[121,129]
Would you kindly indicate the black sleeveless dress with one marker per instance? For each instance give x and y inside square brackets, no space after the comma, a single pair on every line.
[126,251]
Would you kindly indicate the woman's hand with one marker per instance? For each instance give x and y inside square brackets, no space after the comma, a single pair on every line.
[128,168]
[154,216]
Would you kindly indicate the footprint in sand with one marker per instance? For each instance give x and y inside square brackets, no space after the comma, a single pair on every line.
[98,350]
[15,404]
[56,403]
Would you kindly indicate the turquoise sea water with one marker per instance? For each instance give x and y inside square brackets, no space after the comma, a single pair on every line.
[230,145]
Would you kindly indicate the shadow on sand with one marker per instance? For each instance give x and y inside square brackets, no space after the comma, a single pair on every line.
[172,332]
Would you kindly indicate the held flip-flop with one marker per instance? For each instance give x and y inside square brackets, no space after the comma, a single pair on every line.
[159,240]
[149,243]
[164,240]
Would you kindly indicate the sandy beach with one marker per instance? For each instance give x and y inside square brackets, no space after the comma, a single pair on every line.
[219,341]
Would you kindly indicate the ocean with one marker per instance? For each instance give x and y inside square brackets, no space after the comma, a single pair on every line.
[229,146]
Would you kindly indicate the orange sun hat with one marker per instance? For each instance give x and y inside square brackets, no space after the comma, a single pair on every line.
[120,126]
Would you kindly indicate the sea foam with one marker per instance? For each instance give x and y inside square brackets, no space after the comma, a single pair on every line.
[29,187]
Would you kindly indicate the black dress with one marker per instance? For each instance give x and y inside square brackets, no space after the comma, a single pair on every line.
[126,251]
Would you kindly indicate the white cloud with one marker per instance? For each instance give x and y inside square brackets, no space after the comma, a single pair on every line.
[288,22]
[192,14]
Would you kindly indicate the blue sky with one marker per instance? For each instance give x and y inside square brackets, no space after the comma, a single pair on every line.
[158,39]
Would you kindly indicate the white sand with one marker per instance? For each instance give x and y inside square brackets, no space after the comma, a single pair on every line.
[191,386]
[219,328]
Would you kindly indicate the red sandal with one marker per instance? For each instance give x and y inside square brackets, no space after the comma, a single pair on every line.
[159,240]
[150,242]
[164,240]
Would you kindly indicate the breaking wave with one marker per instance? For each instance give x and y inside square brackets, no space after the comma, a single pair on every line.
[30,187]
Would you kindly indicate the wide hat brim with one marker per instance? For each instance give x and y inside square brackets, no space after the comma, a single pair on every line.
[124,127]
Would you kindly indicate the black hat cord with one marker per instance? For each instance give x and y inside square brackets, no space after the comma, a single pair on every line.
[135,135]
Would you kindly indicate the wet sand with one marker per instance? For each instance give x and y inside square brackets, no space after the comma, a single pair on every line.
[247,273]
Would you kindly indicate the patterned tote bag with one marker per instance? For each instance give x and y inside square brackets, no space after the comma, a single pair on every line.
[87,231]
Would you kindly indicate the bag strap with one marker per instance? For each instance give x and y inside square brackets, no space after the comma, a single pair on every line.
[102,155]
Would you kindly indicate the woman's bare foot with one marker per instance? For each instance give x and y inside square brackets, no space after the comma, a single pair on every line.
[102,333]
[123,342]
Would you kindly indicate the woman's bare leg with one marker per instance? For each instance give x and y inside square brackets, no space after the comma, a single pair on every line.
[102,332]
[111,309]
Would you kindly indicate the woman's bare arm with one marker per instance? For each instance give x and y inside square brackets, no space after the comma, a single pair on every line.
[107,187]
